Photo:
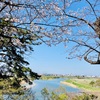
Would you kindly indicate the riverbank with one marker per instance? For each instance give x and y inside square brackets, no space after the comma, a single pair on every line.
[84,85]
[69,84]
[49,77]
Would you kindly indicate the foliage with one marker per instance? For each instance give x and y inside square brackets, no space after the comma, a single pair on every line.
[45,94]
[26,95]
[97,83]
[48,77]
[63,97]
[85,96]
[15,43]
[48,95]
[92,83]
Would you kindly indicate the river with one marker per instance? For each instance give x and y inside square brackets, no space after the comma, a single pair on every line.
[51,85]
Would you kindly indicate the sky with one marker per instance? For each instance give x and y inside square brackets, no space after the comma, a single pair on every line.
[52,60]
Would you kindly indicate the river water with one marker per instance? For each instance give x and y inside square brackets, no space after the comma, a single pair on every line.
[51,85]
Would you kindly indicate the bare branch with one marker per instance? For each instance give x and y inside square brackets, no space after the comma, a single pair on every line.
[92,9]
[4,6]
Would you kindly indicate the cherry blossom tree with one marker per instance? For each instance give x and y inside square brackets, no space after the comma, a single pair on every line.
[24,23]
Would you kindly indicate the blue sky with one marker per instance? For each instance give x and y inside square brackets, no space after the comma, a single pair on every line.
[53,60]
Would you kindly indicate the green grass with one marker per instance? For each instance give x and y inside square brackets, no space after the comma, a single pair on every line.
[83,84]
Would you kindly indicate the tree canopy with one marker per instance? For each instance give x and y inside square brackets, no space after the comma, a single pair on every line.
[24,23]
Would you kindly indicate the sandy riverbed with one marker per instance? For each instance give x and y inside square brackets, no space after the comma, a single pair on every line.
[69,84]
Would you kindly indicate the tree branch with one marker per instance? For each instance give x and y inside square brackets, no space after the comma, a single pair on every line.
[92,8]
[90,61]
[79,19]
[84,44]
[3,8]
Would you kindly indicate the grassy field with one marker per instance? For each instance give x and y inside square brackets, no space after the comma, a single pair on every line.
[84,84]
